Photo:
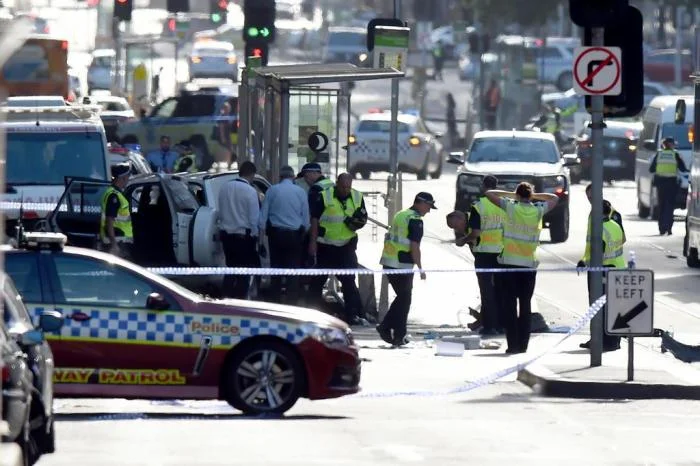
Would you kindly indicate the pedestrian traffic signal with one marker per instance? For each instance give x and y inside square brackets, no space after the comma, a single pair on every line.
[260,51]
[218,11]
[629,38]
[122,9]
[596,13]
[178,6]
[259,23]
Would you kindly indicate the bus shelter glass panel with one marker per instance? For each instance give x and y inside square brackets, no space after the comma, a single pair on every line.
[315,110]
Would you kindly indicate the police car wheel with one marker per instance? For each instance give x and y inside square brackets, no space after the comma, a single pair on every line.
[265,377]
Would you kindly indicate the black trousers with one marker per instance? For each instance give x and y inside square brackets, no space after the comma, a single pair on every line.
[667,190]
[396,318]
[240,251]
[517,289]
[286,252]
[491,312]
[338,257]
[490,119]
[609,341]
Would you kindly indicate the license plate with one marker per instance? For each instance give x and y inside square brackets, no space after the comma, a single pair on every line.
[612,163]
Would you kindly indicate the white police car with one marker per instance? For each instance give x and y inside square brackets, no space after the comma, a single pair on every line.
[420,150]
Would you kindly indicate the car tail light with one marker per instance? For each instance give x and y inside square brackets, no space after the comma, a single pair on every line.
[232,60]
[414,141]
[352,140]
[5,374]
[29,215]
[196,60]
[374,110]
[691,134]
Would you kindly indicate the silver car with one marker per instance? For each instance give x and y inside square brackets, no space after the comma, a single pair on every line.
[213,59]
[345,44]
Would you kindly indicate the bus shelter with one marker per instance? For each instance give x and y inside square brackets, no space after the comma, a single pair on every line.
[517,62]
[281,106]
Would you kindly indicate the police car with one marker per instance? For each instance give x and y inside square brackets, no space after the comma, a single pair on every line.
[44,146]
[420,150]
[134,334]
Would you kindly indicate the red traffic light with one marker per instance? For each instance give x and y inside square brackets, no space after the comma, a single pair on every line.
[223,4]
[122,1]
[171,24]
[257,52]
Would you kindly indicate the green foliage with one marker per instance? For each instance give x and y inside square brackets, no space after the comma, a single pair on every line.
[494,12]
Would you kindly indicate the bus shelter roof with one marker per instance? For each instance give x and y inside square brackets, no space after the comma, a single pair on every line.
[284,77]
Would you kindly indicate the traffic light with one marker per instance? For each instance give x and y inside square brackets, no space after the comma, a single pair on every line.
[172,25]
[122,9]
[261,51]
[178,6]
[596,13]
[218,11]
[259,23]
[629,38]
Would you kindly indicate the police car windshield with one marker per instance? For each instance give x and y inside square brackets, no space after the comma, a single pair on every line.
[513,150]
[679,133]
[47,158]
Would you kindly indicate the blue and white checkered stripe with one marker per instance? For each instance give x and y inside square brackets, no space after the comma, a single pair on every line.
[169,327]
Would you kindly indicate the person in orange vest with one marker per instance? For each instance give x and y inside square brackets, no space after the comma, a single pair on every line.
[492,100]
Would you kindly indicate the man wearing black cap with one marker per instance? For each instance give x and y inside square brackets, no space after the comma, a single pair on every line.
[666,165]
[402,251]
[336,216]
[116,231]
[314,179]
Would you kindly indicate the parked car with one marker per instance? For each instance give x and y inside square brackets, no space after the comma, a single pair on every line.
[659,66]
[120,154]
[132,333]
[555,60]
[345,44]
[27,373]
[115,109]
[213,59]
[513,157]
[620,142]
[101,70]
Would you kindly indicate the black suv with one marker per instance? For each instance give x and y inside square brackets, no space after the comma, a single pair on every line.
[514,157]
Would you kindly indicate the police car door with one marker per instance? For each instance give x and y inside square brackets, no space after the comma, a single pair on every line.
[119,339]
[183,206]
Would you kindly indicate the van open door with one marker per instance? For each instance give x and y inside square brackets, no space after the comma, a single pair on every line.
[183,206]
[78,211]
[205,244]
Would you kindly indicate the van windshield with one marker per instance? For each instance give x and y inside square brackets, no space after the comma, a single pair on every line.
[679,133]
[47,158]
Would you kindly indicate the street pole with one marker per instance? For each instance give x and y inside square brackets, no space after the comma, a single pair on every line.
[677,67]
[393,187]
[596,285]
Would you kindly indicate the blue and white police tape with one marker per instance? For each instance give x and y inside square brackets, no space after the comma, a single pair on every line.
[494,376]
[179,271]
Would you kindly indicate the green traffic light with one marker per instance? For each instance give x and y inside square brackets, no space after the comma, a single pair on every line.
[215,17]
[264,32]
[253,32]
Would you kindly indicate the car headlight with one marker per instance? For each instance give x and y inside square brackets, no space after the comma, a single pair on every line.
[330,336]
[554,184]
[467,182]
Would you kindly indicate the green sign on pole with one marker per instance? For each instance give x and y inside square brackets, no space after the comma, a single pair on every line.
[391,47]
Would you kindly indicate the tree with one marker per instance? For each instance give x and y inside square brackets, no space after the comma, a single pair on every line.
[528,14]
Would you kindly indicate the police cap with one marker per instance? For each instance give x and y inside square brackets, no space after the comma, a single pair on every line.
[120,169]
[311,167]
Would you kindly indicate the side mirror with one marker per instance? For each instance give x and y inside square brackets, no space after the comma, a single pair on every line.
[456,158]
[650,145]
[31,338]
[570,160]
[156,302]
[50,321]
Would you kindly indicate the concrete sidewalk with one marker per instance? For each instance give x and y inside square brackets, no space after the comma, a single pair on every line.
[567,373]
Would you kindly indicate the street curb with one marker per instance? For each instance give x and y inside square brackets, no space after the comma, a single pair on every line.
[549,384]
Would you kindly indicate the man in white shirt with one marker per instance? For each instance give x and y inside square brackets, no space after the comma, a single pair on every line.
[239,214]
[285,218]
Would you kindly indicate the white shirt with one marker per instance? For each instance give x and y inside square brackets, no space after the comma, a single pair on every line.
[286,205]
[239,208]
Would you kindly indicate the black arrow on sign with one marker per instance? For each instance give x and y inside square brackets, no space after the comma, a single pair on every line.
[622,321]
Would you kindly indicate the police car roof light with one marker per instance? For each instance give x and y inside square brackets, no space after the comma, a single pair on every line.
[80,111]
[43,240]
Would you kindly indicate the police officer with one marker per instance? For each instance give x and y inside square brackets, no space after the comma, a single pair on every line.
[402,251]
[187,161]
[613,256]
[116,231]
[313,178]
[666,165]
[521,236]
[336,216]
[614,214]
[486,237]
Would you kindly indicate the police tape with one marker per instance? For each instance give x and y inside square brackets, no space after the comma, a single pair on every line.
[179,271]
[499,374]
